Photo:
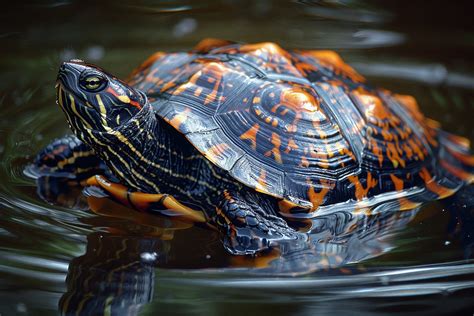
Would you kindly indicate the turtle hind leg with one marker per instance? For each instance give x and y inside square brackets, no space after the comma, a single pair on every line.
[164,204]
[249,223]
[456,157]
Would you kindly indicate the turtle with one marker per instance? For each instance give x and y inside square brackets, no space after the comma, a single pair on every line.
[252,139]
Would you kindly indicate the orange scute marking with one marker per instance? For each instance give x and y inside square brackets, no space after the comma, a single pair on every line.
[360,191]
[332,58]
[168,85]
[317,198]
[397,181]
[179,119]
[373,105]
[198,92]
[304,162]
[408,101]
[261,185]
[251,135]
[214,70]
[217,70]
[405,204]
[416,149]
[208,44]
[216,151]
[432,123]
[377,151]
[408,151]
[321,156]
[393,155]
[411,105]
[299,100]
[275,151]
[291,146]
[268,47]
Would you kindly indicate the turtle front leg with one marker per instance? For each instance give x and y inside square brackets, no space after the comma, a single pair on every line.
[68,158]
[250,224]
[61,168]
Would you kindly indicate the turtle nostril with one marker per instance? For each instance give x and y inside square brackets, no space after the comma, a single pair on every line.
[62,67]
[73,64]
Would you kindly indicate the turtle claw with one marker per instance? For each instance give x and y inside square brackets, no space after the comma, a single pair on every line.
[247,228]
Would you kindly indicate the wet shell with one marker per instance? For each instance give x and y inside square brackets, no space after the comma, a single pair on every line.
[302,125]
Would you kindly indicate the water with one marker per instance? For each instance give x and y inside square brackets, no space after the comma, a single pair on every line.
[63,256]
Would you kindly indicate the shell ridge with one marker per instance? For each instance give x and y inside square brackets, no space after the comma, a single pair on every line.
[320,136]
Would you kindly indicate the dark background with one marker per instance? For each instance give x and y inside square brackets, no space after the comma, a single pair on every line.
[422,48]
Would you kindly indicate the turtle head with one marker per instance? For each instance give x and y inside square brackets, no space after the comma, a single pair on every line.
[93,99]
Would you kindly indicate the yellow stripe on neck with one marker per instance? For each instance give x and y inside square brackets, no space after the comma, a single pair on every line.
[103,111]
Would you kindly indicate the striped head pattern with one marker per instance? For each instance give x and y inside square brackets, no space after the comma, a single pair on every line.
[114,119]
[94,100]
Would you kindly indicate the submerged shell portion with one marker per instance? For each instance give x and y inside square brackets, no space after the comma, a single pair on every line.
[301,125]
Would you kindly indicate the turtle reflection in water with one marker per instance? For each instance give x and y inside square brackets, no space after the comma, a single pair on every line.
[117,275]
[254,140]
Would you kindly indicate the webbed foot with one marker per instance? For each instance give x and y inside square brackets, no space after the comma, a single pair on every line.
[248,224]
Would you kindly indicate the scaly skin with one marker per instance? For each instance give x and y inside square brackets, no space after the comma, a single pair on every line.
[261,132]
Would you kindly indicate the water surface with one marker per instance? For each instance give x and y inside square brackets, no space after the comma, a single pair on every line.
[63,256]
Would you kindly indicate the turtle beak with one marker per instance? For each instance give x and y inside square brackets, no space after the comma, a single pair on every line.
[69,97]
[65,82]
[68,79]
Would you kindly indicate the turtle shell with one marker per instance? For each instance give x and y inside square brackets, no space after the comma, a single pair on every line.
[300,125]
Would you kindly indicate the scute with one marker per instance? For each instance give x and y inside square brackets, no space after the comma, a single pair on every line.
[298,125]
[217,147]
[264,178]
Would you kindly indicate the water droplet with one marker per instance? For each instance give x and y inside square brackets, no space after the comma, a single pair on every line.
[385,280]
[149,256]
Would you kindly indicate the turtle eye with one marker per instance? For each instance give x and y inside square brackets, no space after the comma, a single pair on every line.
[93,82]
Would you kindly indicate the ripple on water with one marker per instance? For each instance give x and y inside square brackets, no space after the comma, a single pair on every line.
[50,252]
